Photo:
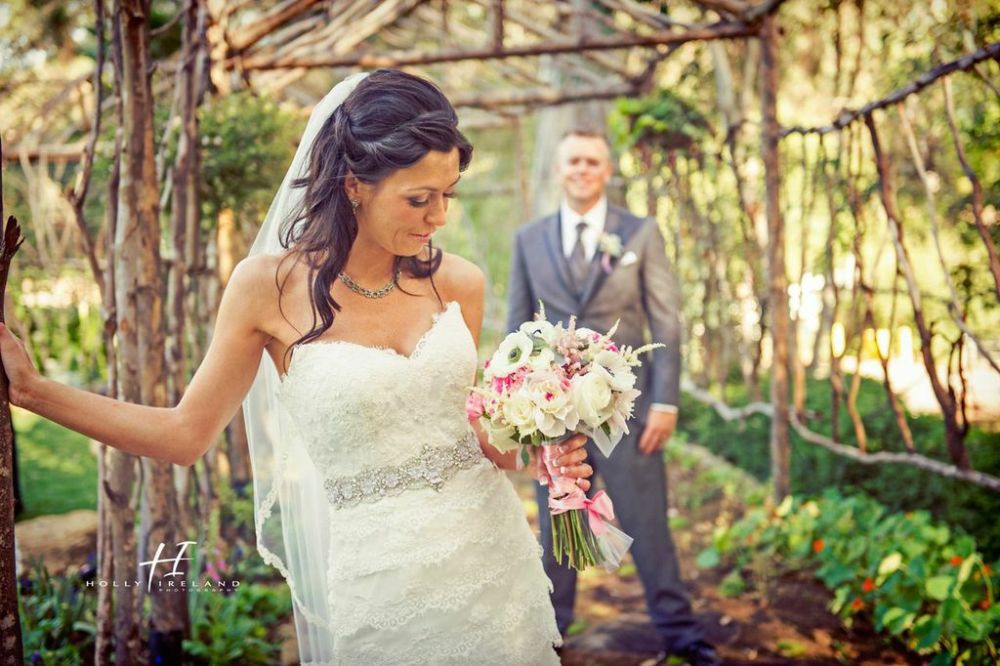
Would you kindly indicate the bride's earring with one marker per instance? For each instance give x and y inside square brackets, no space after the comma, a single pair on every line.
[355,204]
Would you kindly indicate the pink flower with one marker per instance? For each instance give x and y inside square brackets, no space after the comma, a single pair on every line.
[474,406]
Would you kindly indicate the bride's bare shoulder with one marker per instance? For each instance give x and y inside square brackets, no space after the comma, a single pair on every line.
[260,277]
[460,279]
[259,281]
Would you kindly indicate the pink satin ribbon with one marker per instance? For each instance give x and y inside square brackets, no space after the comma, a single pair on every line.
[572,498]
[599,509]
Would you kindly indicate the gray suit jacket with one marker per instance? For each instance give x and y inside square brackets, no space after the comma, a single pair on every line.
[644,295]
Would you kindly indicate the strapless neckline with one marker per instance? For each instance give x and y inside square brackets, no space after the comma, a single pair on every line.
[450,306]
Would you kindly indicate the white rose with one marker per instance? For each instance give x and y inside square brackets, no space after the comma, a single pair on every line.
[519,411]
[555,412]
[592,396]
[512,354]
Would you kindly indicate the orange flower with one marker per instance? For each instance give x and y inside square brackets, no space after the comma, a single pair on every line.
[956,560]
[818,545]
[857,604]
[985,604]
[987,570]
[868,585]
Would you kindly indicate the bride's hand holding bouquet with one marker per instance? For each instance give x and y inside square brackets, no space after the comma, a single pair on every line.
[545,383]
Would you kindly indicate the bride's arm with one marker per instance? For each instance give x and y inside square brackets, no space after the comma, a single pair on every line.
[467,285]
[178,434]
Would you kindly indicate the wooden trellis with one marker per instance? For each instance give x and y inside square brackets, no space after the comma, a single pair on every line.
[273,51]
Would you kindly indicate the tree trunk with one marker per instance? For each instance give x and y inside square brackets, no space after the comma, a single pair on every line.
[108,488]
[10,621]
[777,280]
[237,449]
[139,308]
[185,208]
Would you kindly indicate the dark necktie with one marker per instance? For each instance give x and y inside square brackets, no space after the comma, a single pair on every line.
[578,264]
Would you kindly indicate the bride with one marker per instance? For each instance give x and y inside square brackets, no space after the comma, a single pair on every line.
[352,340]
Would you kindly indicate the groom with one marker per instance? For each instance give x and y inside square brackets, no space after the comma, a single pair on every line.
[603,264]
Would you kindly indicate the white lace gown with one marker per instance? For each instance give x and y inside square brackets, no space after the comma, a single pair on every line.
[435,562]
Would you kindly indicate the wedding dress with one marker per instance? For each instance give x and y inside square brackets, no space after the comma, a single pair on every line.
[431,559]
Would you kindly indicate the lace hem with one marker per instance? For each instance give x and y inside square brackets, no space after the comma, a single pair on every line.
[518,630]
[445,585]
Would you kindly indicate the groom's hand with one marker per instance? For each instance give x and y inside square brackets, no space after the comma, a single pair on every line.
[659,427]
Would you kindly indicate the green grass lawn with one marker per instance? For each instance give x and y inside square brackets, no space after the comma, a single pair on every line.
[58,473]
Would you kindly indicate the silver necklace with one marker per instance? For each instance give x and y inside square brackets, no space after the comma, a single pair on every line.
[370,293]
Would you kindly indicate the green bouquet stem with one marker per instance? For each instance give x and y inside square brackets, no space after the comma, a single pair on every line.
[572,538]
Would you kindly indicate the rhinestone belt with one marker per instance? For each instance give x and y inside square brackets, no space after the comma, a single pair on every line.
[431,467]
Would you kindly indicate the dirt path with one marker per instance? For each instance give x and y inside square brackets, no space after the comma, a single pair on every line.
[786,622]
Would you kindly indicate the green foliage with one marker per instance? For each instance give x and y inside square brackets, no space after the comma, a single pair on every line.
[237,507]
[814,469]
[236,627]
[58,618]
[916,579]
[663,120]
[63,322]
[57,471]
[247,142]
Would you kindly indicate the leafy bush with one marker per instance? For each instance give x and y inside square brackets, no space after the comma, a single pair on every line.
[235,628]
[58,618]
[917,580]
[814,469]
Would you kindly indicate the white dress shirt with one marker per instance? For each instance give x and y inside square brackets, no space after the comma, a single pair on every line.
[595,219]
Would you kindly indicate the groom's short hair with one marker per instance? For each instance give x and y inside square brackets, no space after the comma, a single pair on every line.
[587,132]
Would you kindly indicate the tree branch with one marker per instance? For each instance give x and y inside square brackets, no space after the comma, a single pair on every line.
[542,96]
[849,116]
[249,35]
[403,59]
[78,196]
[729,413]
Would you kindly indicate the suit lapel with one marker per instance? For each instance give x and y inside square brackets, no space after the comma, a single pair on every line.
[597,275]
[553,241]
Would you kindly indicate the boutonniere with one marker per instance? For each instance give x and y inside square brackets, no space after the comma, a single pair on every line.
[610,247]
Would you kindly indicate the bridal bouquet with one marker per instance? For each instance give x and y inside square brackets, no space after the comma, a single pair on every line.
[543,384]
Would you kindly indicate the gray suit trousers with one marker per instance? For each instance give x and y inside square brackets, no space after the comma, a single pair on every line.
[638,488]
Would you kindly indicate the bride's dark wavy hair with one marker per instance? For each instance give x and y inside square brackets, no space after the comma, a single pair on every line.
[390,121]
